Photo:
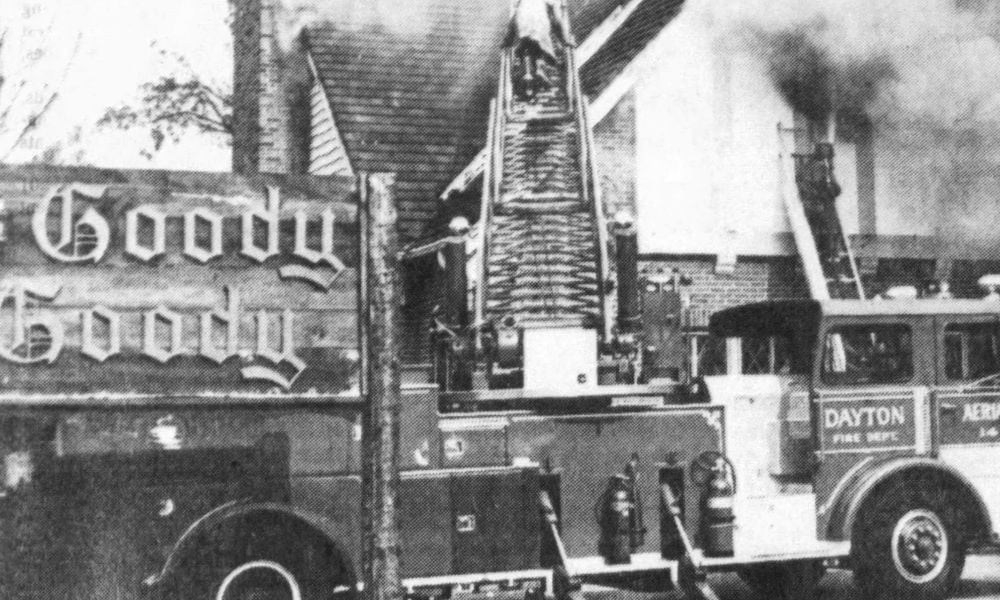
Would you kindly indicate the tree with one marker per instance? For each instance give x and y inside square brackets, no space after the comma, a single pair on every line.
[175,104]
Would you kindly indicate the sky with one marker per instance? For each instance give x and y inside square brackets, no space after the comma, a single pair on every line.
[97,54]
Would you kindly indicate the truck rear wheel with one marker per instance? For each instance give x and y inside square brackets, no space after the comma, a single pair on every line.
[908,543]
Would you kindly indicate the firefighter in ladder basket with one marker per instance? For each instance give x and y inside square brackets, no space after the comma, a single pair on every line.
[536,29]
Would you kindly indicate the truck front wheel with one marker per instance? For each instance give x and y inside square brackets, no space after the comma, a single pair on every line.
[908,543]
[275,560]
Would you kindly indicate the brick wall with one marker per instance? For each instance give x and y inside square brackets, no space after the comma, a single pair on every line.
[268,85]
[752,280]
[246,85]
[274,150]
[756,279]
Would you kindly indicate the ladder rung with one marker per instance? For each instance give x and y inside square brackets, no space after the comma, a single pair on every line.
[541,115]
[529,207]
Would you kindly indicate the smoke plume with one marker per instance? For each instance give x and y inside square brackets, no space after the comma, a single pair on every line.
[889,60]
[404,18]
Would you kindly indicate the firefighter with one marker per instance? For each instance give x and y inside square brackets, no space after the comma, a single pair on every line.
[535,30]
[819,194]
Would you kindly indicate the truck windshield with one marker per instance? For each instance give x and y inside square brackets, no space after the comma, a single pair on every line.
[860,354]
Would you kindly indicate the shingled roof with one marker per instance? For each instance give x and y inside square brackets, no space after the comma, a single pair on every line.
[417,104]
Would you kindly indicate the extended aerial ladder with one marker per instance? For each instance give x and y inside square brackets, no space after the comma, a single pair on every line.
[542,256]
[543,243]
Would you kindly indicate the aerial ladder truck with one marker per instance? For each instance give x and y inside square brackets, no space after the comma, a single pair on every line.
[540,350]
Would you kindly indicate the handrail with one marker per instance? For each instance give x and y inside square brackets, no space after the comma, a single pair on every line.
[581,127]
[428,248]
[600,223]
[492,177]
[506,85]
[484,215]
[138,400]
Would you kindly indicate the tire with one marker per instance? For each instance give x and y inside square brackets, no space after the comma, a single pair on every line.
[909,542]
[267,566]
[262,579]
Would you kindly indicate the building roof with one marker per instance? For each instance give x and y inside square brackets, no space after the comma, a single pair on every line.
[417,104]
[637,31]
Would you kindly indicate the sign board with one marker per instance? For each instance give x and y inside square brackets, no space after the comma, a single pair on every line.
[971,418]
[867,424]
[138,282]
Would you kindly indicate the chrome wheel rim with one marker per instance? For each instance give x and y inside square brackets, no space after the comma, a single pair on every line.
[919,546]
[245,569]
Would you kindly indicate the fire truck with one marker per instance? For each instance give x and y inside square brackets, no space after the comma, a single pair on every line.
[548,446]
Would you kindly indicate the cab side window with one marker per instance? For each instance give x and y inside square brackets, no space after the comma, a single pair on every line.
[766,355]
[860,354]
[971,350]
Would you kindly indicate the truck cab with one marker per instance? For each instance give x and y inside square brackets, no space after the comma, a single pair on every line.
[883,415]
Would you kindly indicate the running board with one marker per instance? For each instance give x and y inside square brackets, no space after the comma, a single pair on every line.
[644,562]
[474,582]
[820,551]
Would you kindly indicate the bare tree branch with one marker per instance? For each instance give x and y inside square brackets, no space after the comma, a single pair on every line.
[30,124]
[12,102]
[173,105]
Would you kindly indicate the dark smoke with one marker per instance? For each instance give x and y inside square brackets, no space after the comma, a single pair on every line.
[815,85]
[889,61]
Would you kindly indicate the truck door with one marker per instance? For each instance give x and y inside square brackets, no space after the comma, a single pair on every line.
[967,401]
[869,374]
[871,386]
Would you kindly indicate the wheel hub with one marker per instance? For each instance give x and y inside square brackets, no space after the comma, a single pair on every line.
[919,546]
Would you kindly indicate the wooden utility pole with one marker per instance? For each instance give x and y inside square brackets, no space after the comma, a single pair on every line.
[379,329]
